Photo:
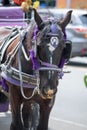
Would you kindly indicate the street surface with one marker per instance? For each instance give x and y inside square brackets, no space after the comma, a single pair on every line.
[70,109]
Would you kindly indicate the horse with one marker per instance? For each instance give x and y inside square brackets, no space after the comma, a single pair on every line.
[31,67]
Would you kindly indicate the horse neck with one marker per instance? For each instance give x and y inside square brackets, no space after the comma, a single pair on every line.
[27,66]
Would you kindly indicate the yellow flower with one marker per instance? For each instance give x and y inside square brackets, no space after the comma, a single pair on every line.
[29,2]
[25,6]
[36,4]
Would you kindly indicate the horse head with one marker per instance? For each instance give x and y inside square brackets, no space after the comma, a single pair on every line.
[50,46]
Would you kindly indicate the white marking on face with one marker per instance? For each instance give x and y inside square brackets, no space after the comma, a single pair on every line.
[50,73]
[49,70]
[51,48]
[51,60]
[54,41]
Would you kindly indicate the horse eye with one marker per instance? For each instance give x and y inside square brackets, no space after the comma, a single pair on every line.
[54,41]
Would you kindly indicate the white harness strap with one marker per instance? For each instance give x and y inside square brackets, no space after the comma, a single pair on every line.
[7,43]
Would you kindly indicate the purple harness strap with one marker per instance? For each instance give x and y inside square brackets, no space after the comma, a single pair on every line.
[4,84]
[35,61]
[13,81]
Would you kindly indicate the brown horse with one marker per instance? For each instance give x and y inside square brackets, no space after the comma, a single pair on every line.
[31,66]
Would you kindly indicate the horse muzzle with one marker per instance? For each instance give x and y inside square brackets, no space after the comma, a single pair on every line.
[47,94]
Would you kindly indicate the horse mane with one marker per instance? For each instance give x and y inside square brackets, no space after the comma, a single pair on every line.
[29,35]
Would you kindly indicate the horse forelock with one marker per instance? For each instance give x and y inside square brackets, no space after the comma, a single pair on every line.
[51,27]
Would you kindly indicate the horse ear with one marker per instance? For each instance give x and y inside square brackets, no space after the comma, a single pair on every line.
[66,20]
[37,18]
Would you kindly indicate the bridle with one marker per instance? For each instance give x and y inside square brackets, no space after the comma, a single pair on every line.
[41,64]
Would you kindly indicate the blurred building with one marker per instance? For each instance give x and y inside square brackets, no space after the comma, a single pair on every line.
[79,4]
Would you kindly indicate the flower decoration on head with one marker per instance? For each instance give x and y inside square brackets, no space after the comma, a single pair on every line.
[36,4]
[29,4]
